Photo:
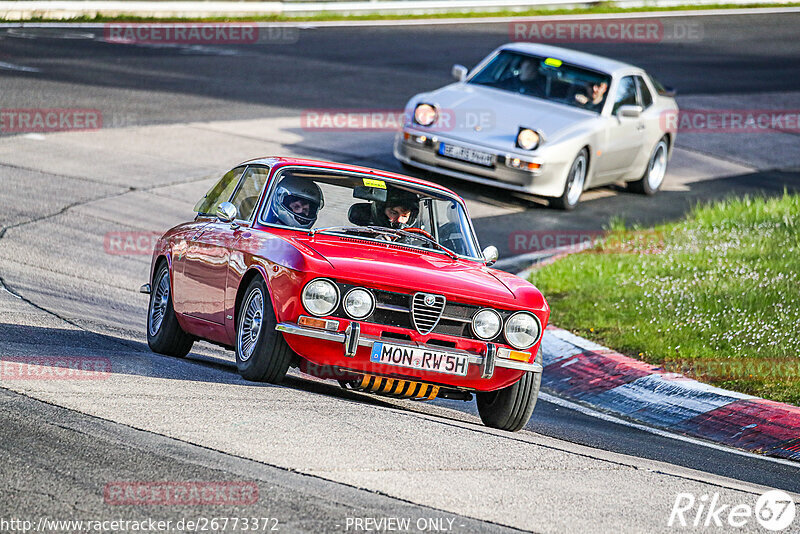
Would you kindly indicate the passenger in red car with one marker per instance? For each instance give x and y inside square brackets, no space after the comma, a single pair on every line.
[399,211]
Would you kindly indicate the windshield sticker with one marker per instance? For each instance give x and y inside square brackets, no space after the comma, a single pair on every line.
[369,182]
[552,62]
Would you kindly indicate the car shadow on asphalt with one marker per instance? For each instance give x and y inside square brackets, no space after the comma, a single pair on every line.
[42,353]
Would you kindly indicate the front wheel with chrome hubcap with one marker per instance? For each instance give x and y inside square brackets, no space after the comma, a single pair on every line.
[262,355]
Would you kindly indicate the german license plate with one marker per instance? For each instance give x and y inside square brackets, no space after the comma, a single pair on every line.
[465,154]
[417,358]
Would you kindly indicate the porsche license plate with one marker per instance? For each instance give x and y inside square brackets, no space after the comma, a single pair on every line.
[465,154]
[418,358]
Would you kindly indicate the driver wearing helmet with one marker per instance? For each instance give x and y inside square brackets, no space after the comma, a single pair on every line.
[296,202]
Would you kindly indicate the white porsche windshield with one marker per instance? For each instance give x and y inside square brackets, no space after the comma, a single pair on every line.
[546,78]
[354,204]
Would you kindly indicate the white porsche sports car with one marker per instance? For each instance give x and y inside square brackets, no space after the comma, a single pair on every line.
[546,121]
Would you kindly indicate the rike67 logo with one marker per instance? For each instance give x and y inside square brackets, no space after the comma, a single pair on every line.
[774,511]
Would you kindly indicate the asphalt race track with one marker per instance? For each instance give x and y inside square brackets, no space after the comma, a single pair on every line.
[174,118]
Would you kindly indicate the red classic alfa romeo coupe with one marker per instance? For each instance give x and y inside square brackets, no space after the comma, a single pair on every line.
[367,277]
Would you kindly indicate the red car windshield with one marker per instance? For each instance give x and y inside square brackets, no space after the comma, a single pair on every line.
[320,200]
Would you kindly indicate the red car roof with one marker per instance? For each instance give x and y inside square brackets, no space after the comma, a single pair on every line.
[278,161]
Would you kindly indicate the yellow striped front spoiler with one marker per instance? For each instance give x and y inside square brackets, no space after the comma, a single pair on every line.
[393,387]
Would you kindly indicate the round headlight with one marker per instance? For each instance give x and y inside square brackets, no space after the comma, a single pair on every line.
[522,330]
[424,114]
[359,303]
[527,139]
[320,297]
[487,324]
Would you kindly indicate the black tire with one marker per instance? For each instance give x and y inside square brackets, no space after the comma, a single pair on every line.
[577,171]
[510,408]
[653,176]
[263,356]
[164,334]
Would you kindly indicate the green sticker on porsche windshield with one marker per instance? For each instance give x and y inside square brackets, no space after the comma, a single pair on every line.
[552,62]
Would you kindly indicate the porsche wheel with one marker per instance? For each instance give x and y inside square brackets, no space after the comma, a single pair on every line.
[262,355]
[164,334]
[653,177]
[510,408]
[573,187]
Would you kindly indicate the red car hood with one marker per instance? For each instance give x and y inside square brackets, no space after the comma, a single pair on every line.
[396,268]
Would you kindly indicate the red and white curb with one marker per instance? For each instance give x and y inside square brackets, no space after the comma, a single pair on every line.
[587,373]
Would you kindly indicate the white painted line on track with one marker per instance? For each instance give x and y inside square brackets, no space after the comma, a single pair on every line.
[558,401]
[447,21]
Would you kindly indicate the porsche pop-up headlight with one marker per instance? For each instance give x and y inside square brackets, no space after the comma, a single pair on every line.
[359,303]
[522,330]
[424,114]
[487,324]
[527,139]
[320,297]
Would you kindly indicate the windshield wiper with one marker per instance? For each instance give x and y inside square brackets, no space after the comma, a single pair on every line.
[347,229]
[421,237]
[382,230]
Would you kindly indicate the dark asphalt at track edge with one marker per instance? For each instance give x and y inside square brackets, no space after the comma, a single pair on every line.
[107,439]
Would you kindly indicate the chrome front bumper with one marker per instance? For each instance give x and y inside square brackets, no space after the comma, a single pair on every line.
[352,338]
[546,181]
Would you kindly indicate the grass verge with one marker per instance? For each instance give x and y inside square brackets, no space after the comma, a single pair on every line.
[716,296]
[602,8]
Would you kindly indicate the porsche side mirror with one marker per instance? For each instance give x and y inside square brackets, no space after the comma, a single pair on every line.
[490,255]
[629,112]
[459,72]
[227,212]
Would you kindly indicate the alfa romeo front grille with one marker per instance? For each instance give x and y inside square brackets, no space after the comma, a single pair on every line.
[426,310]
[397,309]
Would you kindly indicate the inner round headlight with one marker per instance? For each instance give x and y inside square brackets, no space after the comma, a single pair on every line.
[487,324]
[359,303]
[320,297]
[527,139]
[424,114]
[522,330]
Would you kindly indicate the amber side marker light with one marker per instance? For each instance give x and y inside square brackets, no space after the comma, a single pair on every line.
[313,322]
[517,355]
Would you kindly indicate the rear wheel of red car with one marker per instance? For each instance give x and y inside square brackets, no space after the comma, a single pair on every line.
[510,408]
[164,334]
[262,355]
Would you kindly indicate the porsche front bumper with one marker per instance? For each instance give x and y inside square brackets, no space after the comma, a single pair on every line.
[547,180]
